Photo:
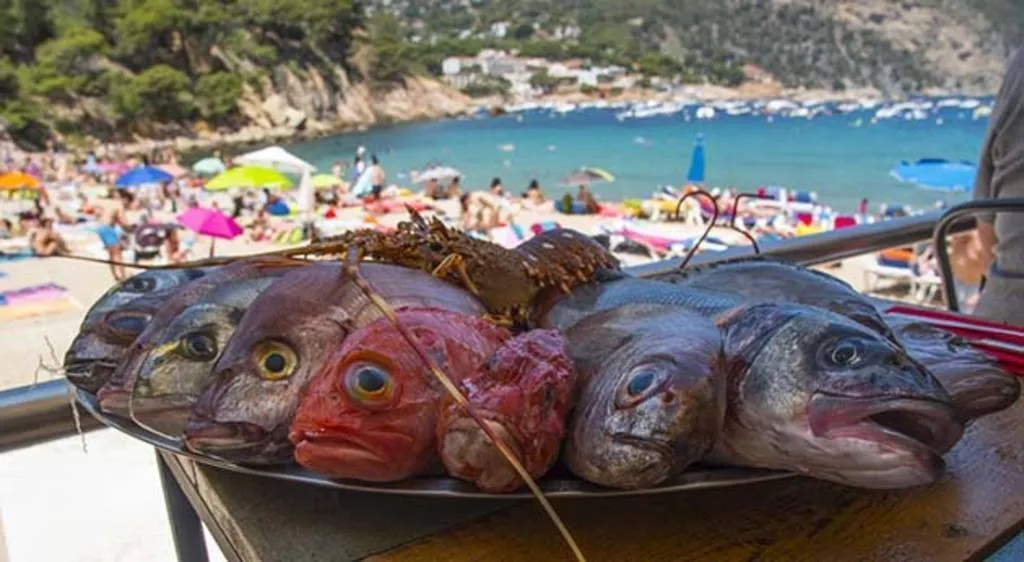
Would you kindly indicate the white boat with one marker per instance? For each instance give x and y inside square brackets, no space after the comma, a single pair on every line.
[705,112]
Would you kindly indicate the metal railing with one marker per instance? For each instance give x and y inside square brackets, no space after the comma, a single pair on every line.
[42,412]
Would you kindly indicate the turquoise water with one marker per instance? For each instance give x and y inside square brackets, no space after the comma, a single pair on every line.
[828,154]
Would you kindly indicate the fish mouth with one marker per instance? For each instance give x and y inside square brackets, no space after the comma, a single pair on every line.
[345,455]
[114,401]
[233,441]
[923,427]
[89,374]
[983,393]
[165,415]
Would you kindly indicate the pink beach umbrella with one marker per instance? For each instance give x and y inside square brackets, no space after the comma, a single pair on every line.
[114,167]
[210,222]
[173,169]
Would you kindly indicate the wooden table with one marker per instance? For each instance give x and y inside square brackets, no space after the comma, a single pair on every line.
[972,512]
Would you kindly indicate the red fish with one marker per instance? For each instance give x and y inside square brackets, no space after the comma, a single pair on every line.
[370,412]
[524,392]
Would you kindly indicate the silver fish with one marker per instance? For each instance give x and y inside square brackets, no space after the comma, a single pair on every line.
[180,364]
[652,396]
[810,390]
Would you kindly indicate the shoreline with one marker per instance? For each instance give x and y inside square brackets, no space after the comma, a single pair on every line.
[311,129]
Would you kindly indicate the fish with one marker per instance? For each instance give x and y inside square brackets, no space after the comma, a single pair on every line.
[524,392]
[284,337]
[977,383]
[808,390]
[370,413]
[115,320]
[653,394]
[768,279]
[180,365]
[115,395]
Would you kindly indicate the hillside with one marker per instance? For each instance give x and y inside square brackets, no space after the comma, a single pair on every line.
[897,46]
[129,69]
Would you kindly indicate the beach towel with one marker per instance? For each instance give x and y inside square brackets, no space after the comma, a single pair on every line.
[508,236]
[543,226]
[36,300]
[393,206]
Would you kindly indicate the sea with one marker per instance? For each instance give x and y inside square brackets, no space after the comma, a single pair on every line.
[842,157]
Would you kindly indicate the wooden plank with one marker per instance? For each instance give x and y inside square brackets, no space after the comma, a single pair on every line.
[971,512]
[255,518]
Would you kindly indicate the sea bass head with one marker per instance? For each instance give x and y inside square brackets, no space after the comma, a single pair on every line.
[817,393]
[180,364]
[371,412]
[977,383]
[524,393]
[115,320]
[114,396]
[283,339]
[653,394]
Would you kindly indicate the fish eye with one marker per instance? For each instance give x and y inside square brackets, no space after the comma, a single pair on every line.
[139,284]
[846,353]
[128,323]
[640,382]
[369,384]
[640,385]
[199,347]
[275,361]
[435,246]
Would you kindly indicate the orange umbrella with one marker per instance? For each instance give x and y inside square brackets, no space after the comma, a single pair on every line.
[19,180]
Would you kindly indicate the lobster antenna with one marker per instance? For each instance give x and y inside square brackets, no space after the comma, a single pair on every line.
[711,223]
[351,268]
[732,220]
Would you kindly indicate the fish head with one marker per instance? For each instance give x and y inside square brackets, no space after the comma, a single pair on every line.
[977,382]
[284,336]
[653,403]
[837,400]
[865,314]
[145,283]
[103,341]
[180,365]
[370,412]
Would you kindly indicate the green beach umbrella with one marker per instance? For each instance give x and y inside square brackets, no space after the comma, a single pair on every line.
[209,166]
[324,181]
[249,176]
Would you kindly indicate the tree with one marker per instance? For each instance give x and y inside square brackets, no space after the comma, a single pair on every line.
[145,31]
[543,81]
[160,93]
[523,31]
[392,57]
[217,95]
[70,53]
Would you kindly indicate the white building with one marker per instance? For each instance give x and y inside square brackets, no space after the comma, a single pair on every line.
[451,66]
[499,29]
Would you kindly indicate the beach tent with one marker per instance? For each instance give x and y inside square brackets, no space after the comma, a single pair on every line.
[280,159]
[696,173]
[19,180]
[937,174]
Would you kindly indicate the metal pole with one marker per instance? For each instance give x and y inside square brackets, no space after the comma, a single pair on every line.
[946,222]
[40,412]
[186,529]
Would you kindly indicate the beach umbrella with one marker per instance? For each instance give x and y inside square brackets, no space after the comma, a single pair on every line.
[173,169]
[325,181]
[696,173]
[19,180]
[143,175]
[209,166]
[249,176]
[441,173]
[277,158]
[588,176]
[114,167]
[278,209]
[937,174]
[210,222]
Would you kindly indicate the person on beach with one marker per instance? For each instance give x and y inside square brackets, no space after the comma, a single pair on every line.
[454,189]
[337,169]
[496,189]
[998,243]
[46,242]
[377,177]
[113,223]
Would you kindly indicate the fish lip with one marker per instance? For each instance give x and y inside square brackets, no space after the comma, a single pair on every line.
[208,436]
[655,443]
[921,426]
[342,441]
[114,401]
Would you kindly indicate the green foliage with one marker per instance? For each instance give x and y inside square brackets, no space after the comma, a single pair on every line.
[217,95]
[544,81]
[393,57]
[488,86]
[159,93]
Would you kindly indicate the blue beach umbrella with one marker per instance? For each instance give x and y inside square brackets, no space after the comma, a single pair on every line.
[143,175]
[936,174]
[696,173]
